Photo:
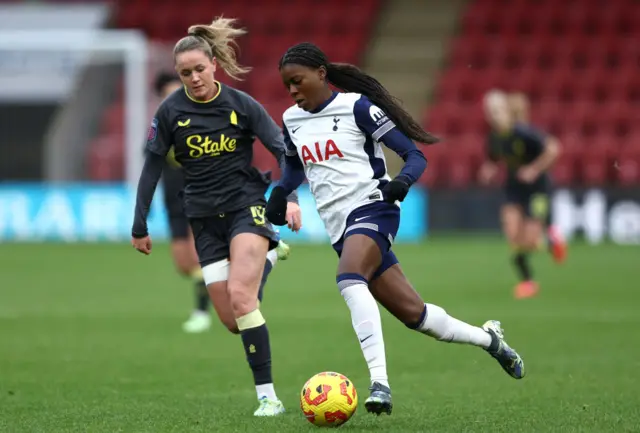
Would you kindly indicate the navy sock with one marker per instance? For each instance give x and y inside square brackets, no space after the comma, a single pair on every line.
[521,260]
[202,296]
[265,274]
[258,351]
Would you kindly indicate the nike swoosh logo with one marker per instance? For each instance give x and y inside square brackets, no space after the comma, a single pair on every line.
[184,123]
[366,338]
[361,218]
[293,131]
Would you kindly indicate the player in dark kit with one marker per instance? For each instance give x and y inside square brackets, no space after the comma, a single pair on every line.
[212,128]
[528,154]
[183,249]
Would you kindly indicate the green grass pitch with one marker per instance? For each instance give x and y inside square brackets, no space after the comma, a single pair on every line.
[90,341]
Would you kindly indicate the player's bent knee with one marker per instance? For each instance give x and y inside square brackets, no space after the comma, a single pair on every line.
[250,320]
[231,325]
[511,234]
[182,266]
[216,272]
[183,270]
[413,314]
[243,299]
[535,237]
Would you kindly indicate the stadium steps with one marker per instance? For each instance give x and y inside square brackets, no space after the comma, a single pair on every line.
[407,49]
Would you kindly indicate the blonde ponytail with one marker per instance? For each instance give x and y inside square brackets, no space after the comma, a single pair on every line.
[216,40]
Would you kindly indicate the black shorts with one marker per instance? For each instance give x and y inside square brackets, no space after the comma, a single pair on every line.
[213,234]
[534,201]
[173,184]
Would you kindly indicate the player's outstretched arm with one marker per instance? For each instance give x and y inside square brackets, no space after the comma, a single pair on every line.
[158,143]
[487,172]
[292,174]
[269,134]
[548,156]
[292,177]
[375,123]
[149,178]
[546,146]
[415,163]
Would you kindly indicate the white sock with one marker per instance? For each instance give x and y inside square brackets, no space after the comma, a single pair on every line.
[266,390]
[200,313]
[440,325]
[365,318]
[272,256]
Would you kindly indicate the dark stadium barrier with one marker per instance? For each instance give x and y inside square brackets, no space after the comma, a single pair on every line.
[593,214]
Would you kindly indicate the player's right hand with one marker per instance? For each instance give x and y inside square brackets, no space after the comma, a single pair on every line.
[487,173]
[294,217]
[276,211]
[142,244]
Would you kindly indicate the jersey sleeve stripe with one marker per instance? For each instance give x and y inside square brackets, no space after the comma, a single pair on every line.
[378,133]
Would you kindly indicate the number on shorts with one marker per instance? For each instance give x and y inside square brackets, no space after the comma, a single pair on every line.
[258,215]
[539,206]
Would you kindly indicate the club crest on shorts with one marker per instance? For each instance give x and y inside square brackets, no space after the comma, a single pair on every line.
[153,131]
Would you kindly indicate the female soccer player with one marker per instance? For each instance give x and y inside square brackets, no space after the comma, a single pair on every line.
[334,139]
[212,128]
[528,154]
[183,249]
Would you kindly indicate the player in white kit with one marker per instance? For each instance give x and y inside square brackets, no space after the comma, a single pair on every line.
[334,139]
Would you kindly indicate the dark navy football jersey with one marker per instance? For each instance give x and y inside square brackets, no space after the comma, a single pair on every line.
[522,145]
[213,142]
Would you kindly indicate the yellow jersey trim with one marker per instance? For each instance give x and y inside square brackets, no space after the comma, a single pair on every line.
[204,102]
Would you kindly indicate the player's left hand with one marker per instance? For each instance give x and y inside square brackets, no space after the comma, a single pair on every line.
[396,190]
[528,174]
[294,217]
[277,207]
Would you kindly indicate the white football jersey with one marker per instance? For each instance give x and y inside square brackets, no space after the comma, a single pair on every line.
[339,147]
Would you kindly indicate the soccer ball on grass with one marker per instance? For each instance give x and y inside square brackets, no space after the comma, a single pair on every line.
[328,399]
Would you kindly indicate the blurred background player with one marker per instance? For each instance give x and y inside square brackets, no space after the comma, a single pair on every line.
[359,204]
[183,249]
[212,128]
[528,154]
[520,107]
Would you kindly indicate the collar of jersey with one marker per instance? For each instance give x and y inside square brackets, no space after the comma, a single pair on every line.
[322,106]
[207,101]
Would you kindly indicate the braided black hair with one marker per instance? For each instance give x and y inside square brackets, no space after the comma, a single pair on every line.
[162,79]
[351,79]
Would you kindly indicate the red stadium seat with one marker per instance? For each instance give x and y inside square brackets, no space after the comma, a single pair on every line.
[457,170]
[595,166]
[274,25]
[627,166]
[564,169]
[579,62]
[432,175]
